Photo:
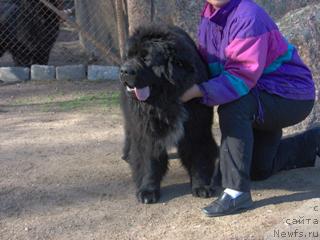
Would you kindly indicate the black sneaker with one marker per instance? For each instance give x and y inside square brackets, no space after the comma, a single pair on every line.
[300,150]
[226,205]
[311,146]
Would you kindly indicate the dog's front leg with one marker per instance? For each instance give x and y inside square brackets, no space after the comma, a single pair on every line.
[127,145]
[149,162]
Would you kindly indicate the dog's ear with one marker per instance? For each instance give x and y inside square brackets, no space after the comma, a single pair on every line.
[169,71]
[164,71]
[184,63]
[179,71]
[181,57]
[159,71]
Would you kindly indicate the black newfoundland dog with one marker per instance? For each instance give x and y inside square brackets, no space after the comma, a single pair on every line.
[28,30]
[160,64]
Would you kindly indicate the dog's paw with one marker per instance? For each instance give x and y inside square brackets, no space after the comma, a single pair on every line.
[148,196]
[125,157]
[202,191]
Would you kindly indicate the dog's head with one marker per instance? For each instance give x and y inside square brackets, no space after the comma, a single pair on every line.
[159,63]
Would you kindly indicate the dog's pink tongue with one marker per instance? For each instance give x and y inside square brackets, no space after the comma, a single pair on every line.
[142,93]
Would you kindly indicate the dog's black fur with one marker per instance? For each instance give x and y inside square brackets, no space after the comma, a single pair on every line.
[166,60]
[28,30]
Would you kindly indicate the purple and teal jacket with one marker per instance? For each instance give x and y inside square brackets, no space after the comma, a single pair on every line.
[244,50]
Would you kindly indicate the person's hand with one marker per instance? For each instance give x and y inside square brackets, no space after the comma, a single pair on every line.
[193,92]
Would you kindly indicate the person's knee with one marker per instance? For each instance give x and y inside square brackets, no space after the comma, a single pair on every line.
[260,175]
[243,108]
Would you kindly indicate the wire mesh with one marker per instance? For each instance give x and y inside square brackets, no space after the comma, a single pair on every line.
[57,32]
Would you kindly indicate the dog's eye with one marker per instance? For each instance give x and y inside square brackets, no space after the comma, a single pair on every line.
[145,58]
[178,63]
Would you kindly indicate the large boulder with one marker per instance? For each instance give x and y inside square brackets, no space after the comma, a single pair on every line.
[278,8]
[302,28]
[186,13]
[183,13]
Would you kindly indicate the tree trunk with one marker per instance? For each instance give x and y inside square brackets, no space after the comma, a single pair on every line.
[121,25]
[140,12]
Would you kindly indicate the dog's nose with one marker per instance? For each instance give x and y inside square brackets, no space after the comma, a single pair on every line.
[127,70]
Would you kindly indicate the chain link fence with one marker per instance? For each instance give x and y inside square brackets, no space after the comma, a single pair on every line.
[57,32]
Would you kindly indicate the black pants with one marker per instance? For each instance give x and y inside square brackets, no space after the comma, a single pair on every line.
[252,149]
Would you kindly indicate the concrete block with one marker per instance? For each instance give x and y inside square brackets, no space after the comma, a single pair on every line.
[71,72]
[98,72]
[43,72]
[14,74]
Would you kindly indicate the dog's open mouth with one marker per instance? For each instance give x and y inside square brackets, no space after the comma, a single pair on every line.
[142,94]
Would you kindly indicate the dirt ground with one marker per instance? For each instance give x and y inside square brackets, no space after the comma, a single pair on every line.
[61,176]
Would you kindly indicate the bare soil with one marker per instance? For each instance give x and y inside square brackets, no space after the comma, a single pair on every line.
[61,177]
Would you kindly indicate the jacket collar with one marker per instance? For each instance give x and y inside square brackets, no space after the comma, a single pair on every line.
[219,16]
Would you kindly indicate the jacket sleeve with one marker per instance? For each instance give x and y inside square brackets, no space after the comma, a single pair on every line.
[246,57]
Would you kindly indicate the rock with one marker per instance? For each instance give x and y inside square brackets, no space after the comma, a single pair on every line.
[96,72]
[43,72]
[186,13]
[183,13]
[278,8]
[302,28]
[71,72]
[317,162]
[14,74]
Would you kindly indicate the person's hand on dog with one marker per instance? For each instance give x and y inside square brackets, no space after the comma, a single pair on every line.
[191,93]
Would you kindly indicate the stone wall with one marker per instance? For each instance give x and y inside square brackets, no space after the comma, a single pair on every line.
[302,28]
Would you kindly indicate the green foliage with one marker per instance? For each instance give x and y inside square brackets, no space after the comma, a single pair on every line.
[106,100]
[80,101]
